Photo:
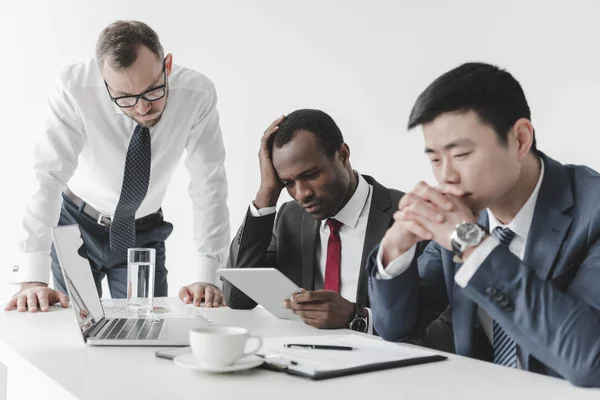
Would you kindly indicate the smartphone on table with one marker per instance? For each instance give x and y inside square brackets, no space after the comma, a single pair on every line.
[170,354]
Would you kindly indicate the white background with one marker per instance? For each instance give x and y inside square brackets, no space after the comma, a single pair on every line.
[363,62]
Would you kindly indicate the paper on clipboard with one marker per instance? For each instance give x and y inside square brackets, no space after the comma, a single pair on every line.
[368,351]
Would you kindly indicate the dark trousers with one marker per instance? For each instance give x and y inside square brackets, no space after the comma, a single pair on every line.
[151,232]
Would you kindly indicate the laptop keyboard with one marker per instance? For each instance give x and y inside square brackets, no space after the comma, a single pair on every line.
[133,329]
[118,309]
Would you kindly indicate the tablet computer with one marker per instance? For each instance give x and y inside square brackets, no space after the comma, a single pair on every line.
[266,286]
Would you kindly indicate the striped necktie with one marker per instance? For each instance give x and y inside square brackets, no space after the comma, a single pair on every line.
[505,349]
[133,191]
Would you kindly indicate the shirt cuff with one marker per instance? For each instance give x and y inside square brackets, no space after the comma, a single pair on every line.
[477,257]
[206,271]
[369,322]
[32,267]
[262,212]
[396,267]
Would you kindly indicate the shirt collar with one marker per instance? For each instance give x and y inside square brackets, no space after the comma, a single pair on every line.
[522,221]
[350,213]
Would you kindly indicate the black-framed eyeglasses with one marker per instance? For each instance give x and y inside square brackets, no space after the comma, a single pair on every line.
[153,94]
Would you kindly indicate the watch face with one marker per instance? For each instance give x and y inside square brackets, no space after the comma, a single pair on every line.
[468,233]
[359,325]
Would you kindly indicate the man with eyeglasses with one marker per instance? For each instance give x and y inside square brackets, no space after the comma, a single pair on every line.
[109,143]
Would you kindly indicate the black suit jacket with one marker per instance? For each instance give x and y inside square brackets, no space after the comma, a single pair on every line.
[288,241]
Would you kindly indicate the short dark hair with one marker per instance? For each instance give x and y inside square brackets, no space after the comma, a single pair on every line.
[493,93]
[120,41]
[317,122]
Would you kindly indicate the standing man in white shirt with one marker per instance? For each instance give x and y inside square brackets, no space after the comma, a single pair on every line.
[322,239]
[116,128]
[514,262]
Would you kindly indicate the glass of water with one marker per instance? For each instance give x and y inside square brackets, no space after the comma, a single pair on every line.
[140,280]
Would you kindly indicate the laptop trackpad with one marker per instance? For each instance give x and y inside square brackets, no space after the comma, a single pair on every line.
[183,325]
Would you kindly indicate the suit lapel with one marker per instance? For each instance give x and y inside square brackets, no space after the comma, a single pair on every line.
[308,240]
[551,221]
[379,221]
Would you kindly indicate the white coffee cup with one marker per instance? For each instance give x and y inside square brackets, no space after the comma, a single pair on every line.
[219,346]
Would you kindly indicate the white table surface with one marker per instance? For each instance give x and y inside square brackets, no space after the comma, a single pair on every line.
[45,355]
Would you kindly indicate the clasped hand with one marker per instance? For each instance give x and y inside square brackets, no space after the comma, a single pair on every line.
[426,213]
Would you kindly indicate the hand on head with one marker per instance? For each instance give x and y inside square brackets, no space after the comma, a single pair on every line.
[270,185]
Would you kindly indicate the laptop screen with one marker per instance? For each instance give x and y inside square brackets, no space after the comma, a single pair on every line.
[78,276]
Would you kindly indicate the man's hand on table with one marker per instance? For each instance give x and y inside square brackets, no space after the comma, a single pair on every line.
[34,296]
[196,292]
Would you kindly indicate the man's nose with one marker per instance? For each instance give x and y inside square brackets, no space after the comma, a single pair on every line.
[303,192]
[143,106]
[449,173]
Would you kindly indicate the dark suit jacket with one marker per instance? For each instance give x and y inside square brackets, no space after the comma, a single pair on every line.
[290,244]
[549,303]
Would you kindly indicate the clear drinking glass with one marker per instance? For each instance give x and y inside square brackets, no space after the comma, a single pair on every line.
[140,280]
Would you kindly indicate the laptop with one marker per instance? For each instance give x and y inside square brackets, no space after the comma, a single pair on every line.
[97,328]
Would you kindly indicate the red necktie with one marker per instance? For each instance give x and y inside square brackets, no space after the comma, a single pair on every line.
[334,256]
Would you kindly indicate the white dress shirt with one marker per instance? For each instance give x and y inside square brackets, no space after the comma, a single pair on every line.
[354,217]
[520,225]
[83,142]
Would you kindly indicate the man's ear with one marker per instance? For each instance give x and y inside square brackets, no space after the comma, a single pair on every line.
[169,63]
[344,154]
[524,133]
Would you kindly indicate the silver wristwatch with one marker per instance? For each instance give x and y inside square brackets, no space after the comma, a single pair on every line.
[467,234]
[358,322]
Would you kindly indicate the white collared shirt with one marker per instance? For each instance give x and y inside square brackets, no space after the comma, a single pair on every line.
[520,224]
[355,216]
[83,142]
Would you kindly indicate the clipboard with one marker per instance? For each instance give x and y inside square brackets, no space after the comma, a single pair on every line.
[377,354]
[320,375]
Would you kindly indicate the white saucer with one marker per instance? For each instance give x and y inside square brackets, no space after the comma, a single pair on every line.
[188,361]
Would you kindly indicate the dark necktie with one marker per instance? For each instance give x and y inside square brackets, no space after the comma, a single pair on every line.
[334,256]
[133,191]
[505,349]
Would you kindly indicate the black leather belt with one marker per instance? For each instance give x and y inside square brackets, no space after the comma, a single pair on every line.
[101,219]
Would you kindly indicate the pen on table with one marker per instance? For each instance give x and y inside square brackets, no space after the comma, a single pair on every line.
[316,347]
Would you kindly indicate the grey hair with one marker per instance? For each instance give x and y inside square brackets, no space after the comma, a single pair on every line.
[120,41]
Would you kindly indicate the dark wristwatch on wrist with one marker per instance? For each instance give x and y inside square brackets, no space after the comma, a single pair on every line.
[466,235]
[359,322]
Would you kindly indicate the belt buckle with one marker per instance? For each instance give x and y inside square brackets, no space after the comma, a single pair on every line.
[100,220]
